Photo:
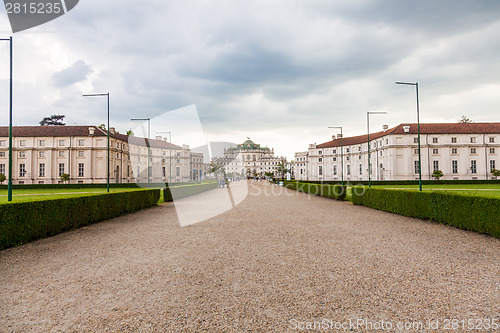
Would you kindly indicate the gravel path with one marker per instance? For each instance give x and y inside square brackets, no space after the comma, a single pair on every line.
[271,264]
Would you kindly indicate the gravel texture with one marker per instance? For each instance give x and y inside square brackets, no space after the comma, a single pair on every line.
[271,264]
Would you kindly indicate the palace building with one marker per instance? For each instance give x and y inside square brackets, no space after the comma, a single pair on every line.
[41,154]
[459,150]
[249,160]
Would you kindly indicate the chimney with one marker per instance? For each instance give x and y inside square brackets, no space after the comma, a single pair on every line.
[406,129]
[339,136]
[165,139]
[385,127]
[91,131]
[186,147]
[158,137]
[112,130]
[333,137]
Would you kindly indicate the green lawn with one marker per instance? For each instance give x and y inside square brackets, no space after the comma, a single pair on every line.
[46,194]
[484,190]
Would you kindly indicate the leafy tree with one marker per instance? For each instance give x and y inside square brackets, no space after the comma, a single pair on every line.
[65,177]
[54,120]
[437,174]
[465,120]
[282,169]
[2,178]
[129,132]
[495,172]
[216,168]
[102,126]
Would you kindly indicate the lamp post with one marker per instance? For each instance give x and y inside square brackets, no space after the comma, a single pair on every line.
[149,134]
[107,95]
[341,150]
[418,133]
[170,155]
[9,182]
[368,125]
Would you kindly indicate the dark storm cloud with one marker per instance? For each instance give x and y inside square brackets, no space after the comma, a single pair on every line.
[73,74]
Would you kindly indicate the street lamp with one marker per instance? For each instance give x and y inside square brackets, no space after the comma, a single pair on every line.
[341,150]
[170,157]
[368,125]
[149,130]
[418,133]
[107,95]
[9,186]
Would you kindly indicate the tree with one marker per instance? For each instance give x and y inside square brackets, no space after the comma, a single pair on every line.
[65,177]
[216,168]
[102,126]
[282,169]
[495,173]
[54,120]
[129,132]
[437,174]
[465,120]
[2,178]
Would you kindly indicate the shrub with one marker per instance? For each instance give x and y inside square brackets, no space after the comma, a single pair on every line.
[22,222]
[469,212]
[177,192]
[337,192]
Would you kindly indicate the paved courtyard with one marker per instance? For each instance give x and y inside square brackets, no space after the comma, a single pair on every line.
[277,262]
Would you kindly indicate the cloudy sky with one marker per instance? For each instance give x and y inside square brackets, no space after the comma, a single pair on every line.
[279,72]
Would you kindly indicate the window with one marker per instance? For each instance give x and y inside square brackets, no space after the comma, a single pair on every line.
[81,153]
[163,172]
[178,161]
[22,154]
[335,151]
[492,165]
[334,170]
[41,154]
[359,148]
[473,140]
[22,143]
[492,140]
[386,141]
[2,143]
[435,165]
[415,151]
[359,157]
[473,166]
[22,170]
[81,142]
[453,140]
[2,168]
[347,158]
[62,143]
[61,169]
[434,140]
[41,143]
[454,151]
[319,152]
[178,171]
[415,140]
[335,159]
[320,159]
[361,169]
[492,150]
[473,150]
[347,150]
[61,153]
[81,169]
[348,170]
[435,151]
[42,170]
[179,154]
[2,154]
[320,170]
[454,166]
[416,168]
[381,153]
[128,170]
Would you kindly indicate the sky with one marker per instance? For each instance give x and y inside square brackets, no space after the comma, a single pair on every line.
[280,72]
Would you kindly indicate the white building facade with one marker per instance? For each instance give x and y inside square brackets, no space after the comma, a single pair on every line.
[460,150]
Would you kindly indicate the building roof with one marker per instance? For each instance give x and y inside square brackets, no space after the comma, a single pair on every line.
[430,128]
[80,131]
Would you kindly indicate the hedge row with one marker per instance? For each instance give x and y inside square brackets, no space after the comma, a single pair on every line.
[469,212]
[178,192]
[22,222]
[94,185]
[406,182]
[337,192]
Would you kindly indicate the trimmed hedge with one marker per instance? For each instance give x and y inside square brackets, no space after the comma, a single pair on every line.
[94,185]
[178,192]
[22,222]
[406,182]
[469,212]
[337,192]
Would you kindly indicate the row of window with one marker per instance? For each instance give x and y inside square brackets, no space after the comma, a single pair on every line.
[454,166]
[41,169]
[454,140]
